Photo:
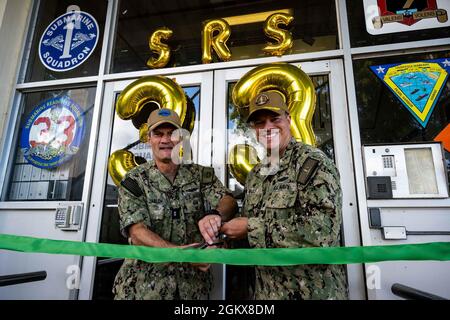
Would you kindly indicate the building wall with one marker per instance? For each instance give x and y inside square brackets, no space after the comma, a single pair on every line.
[2,10]
[13,26]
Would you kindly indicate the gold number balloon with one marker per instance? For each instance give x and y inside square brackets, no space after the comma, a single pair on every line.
[292,83]
[136,102]
[157,90]
[300,96]
[119,163]
[159,48]
[283,38]
[218,42]
[241,160]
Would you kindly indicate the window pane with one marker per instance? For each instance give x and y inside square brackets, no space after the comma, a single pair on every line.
[240,133]
[52,146]
[359,37]
[384,119]
[57,43]
[314,29]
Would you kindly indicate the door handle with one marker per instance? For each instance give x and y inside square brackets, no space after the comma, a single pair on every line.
[397,232]
[13,279]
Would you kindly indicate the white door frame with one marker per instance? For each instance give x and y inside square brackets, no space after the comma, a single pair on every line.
[342,148]
[95,207]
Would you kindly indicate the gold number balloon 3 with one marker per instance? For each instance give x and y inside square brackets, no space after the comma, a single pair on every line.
[283,38]
[136,102]
[296,87]
[161,49]
[218,42]
[298,91]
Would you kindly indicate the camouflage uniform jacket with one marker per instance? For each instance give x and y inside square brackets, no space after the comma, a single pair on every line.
[282,213]
[172,211]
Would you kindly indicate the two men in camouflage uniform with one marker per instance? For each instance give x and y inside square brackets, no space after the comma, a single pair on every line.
[162,204]
[293,202]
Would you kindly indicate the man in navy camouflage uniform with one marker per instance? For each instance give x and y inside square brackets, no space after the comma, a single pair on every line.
[162,204]
[293,202]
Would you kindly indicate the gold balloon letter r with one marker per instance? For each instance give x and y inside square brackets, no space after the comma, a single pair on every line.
[217,42]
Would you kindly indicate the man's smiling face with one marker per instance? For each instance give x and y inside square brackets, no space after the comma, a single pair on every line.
[272,130]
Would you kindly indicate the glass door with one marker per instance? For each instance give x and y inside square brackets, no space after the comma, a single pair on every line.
[47,170]
[331,127]
[103,225]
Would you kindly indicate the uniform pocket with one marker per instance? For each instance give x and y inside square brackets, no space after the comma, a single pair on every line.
[281,218]
[193,202]
[283,196]
[156,211]
[280,210]
[158,214]
[253,199]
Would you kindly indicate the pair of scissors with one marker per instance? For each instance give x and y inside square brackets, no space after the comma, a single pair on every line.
[222,237]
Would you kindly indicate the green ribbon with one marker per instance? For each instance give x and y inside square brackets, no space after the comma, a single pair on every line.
[438,251]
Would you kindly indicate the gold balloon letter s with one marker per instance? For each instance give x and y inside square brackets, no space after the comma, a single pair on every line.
[156,46]
[282,37]
[218,42]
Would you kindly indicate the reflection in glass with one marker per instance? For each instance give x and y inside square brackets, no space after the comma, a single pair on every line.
[52,132]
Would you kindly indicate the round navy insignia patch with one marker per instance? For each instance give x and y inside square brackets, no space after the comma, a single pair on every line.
[262,99]
[164,113]
[68,41]
[52,133]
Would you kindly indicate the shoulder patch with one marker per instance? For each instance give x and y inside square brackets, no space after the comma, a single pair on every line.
[132,186]
[308,170]
[207,175]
